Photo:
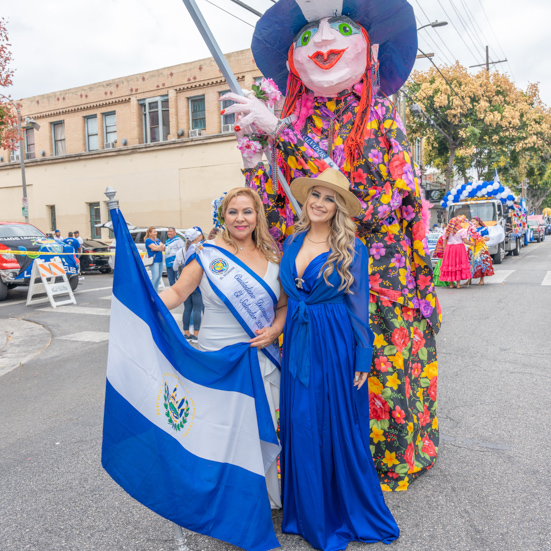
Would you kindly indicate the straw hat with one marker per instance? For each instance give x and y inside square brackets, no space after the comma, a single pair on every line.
[330,178]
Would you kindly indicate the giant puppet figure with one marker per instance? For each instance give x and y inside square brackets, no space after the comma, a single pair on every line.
[339,61]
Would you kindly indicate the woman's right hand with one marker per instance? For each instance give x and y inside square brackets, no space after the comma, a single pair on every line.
[189,280]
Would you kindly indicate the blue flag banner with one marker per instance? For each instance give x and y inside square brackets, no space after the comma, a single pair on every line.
[186,433]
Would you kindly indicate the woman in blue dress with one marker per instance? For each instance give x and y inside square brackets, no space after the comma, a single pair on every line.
[331,491]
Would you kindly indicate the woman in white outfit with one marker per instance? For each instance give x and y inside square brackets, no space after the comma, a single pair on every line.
[247,246]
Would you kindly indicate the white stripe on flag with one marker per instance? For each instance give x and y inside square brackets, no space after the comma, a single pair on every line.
[222,424]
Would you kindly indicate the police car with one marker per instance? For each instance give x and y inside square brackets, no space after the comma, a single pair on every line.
[15,269]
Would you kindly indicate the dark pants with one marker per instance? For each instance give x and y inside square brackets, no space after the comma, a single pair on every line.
[194,303]
[172,275]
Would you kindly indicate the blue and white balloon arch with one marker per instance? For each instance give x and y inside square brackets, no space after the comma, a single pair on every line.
[492,189]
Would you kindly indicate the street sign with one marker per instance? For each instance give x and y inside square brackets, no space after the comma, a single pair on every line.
[25,211]
[25,202]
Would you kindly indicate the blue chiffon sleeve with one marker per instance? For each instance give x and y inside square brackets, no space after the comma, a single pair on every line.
[357,304]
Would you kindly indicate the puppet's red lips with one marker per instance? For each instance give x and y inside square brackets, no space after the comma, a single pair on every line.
[326,60]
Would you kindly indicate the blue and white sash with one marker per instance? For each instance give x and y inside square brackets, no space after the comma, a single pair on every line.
[248,297]
[321,153]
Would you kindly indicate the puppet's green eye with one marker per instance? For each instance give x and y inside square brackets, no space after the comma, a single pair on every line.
[345,29]
[305,38]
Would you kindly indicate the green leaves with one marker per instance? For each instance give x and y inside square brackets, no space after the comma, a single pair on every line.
[390,350]
[402,468]
[423,354]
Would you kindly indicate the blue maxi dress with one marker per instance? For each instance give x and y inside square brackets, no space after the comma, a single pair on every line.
[331,491]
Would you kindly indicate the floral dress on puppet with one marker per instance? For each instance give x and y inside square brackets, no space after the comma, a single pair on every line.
[337,115]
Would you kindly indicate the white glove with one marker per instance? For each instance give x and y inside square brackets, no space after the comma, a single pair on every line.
[257,111]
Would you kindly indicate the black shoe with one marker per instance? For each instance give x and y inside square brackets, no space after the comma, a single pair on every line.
[188,337]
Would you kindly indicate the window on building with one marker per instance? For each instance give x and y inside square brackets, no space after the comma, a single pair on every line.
[92,141]
[53,222]
[14,155]
[227,120]
[156,119]
[58,137]
[29,143]
[95,218]
[110,127]
[197,113]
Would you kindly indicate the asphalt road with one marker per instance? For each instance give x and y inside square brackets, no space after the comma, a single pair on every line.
[489,489]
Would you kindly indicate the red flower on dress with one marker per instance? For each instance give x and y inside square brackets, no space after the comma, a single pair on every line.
[424,417]
[408,388]
[400,338]
[416,369]
[396,167]
[368,213]
[418,340]
[408,313]
[378,407]
[409,456]
[424,281]
[359,176]
[390,238]
[428,447]
[375,280]
[432,388]
[382,364]
[418,231]
[399,415]
[392,474]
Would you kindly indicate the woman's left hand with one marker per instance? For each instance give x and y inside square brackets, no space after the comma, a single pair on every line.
[360,377]
[264,337]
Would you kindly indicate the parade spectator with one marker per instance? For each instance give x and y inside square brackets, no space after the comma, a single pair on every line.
[76,235]
[172,245]
[70,240]
[57,236]
[154,249]
[193,305]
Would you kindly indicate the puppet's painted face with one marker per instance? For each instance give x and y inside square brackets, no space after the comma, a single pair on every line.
[330,55]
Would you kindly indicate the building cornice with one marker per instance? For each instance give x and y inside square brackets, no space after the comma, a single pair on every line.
[205,83]
[81,107]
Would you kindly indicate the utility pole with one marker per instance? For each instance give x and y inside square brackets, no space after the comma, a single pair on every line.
[488,62]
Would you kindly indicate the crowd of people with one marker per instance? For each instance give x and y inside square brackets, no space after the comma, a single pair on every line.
[462,253]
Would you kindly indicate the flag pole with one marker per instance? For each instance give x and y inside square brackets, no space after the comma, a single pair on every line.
[226,71]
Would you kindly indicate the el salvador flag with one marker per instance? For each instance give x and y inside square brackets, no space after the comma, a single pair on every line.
[186,433]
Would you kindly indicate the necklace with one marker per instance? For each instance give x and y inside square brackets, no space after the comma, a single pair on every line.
[316,242]
[245,246]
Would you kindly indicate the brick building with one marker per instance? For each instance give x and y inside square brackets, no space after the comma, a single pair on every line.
[157,137]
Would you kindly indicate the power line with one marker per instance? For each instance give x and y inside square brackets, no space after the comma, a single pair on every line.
[495,36]
[456,29]
[476,26]
[467,30]
[230,13]
[435,45]
[437,34]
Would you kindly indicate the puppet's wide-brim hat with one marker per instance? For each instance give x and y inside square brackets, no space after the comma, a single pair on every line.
[389,23]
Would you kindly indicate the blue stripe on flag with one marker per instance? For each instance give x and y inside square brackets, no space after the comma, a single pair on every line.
[192,495]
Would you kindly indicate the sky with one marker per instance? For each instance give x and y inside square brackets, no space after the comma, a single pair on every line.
[61,44]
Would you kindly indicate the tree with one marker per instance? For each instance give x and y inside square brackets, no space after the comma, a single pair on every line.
[480,121]
[9,132]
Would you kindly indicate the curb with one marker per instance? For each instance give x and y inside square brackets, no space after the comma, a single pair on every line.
[23,340]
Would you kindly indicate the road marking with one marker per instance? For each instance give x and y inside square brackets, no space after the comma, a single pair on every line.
[499,277]
[106,298]
[75,292]
[88,336]
[79,310]
[547,279]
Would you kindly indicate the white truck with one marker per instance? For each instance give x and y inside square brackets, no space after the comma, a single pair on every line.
[493,213]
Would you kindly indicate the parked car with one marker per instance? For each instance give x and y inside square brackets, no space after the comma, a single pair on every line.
[94,263]
[16,269]
[138,235]
[538,226]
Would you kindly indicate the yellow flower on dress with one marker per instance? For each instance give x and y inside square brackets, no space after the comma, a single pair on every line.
[377,435]
[393,381]
[375,386]
[379,341]
[403,485]
[420,395]
[410,427]
[435,423]
[397,361]
[292,162]
[390,458]
[317,121]
[418,438]
[385,488]
[430,371]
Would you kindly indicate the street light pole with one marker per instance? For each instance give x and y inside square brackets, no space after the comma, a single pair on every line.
[434,24]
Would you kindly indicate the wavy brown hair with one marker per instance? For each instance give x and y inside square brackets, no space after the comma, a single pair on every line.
[148,232]
[261,235]
[341,242]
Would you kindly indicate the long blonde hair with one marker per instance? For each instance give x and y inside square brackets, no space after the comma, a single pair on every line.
[341,242]
[261,235]
[148,232]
